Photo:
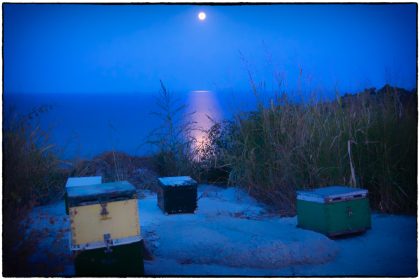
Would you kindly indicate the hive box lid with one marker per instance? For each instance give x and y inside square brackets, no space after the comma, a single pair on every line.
[331,193]
[100,192]
[83,181]
[178,181]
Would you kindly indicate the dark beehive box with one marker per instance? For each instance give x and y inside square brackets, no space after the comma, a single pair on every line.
[177,194]
[117,261]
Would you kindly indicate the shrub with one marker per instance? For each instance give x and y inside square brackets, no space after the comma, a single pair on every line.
[119,166]
[31,176]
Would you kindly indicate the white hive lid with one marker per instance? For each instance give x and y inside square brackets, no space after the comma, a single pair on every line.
[177,181]
[112,188]
[330,193]
[83,181]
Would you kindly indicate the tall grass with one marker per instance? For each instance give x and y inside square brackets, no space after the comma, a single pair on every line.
[31,176]
[367,140]
[178,152]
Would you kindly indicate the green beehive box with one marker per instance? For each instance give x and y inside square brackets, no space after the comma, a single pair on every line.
[334,210]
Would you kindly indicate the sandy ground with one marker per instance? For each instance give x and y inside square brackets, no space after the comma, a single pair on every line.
[232,234]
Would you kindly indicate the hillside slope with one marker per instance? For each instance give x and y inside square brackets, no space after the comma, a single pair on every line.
[232,234]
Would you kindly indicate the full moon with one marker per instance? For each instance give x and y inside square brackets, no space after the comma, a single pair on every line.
[202,16]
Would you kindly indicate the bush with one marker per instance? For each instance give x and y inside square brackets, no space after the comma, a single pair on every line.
[211,163]
[31,176]
[119,166]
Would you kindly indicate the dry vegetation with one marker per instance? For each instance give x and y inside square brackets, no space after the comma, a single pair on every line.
[366,140]
[119,166]
[172,139]
[31,176]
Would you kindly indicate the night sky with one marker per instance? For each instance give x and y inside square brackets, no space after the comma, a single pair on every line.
[69,48]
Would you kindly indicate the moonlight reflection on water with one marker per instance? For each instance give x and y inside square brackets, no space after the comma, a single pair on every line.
[206,110]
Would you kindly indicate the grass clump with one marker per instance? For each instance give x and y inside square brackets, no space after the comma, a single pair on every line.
[174,146]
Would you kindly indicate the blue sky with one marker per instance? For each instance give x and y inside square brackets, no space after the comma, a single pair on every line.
[70,48]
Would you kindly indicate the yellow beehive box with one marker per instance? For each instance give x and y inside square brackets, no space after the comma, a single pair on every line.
[103,215]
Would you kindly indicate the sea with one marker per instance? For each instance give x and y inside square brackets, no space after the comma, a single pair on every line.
[82,126]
